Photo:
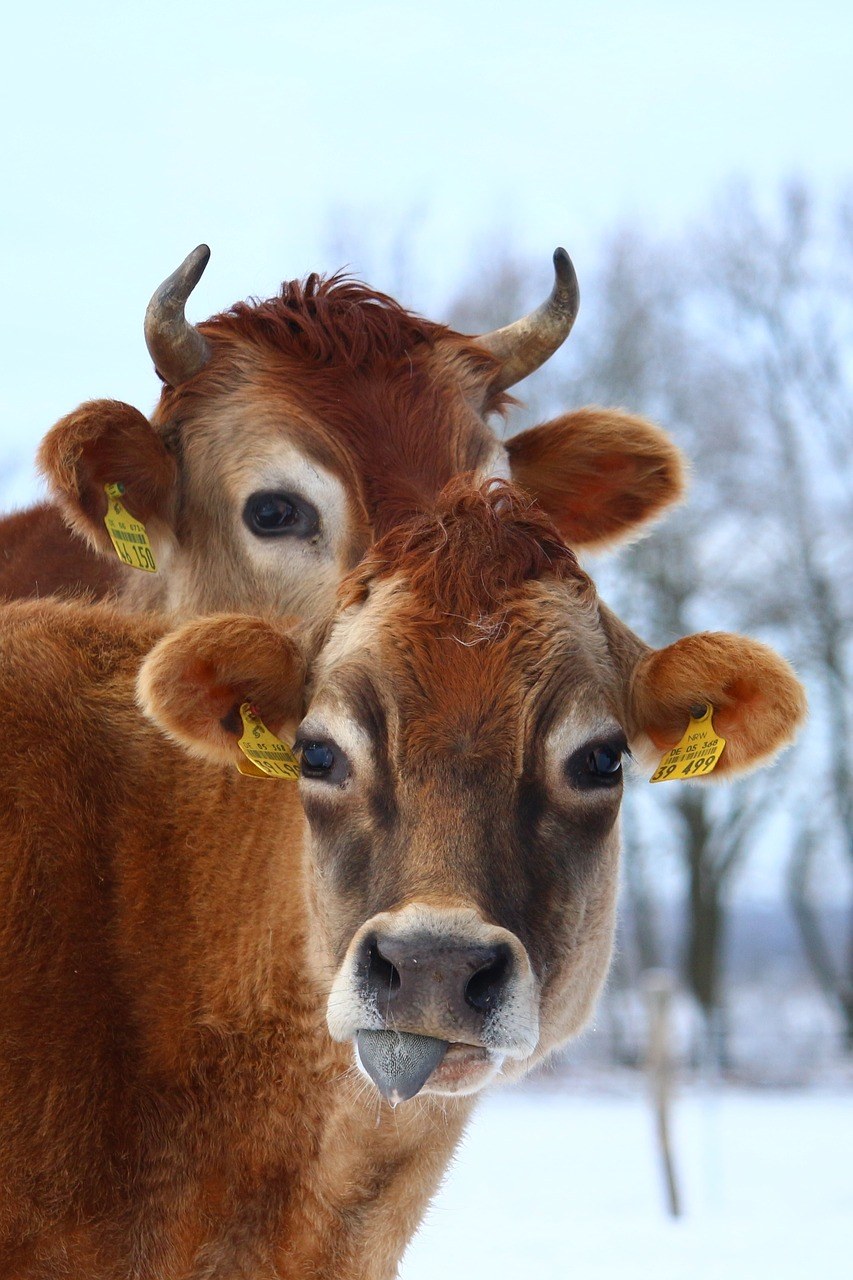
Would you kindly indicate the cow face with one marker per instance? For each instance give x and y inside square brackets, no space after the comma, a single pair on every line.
[467,881]
[307,425]
[465,721]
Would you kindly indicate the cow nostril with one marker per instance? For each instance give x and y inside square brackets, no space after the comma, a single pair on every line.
[484,989]
[381,973]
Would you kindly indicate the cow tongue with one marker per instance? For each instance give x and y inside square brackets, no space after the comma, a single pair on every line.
[398,1063]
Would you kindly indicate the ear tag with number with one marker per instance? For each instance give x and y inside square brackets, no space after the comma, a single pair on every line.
[127,534]
[696,754]
[266,755]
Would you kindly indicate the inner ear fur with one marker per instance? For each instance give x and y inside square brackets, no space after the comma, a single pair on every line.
[193,681]
[758,702]
[108,442]
[600,474]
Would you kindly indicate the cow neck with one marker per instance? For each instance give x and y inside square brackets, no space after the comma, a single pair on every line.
[223,854]
[236,1026]
[375,1173]
[144,593]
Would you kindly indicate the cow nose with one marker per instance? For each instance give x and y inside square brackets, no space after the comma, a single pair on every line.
[436,983]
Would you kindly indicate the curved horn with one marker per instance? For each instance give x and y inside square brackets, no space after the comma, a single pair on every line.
[529,342]
[177,348]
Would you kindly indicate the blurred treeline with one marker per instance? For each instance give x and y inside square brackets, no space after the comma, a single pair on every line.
[737,337]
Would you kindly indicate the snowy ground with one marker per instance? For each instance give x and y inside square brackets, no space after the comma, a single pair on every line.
[550,1185]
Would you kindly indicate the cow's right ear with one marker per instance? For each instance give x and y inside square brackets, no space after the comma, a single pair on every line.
[194,681]
[600,474]
[108,442]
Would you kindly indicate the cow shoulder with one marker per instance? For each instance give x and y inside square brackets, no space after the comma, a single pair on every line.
[67,676]
[40,555]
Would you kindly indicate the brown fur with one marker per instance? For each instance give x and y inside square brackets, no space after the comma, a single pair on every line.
[597,491]
[338,321]
[108,442]
[171,1120]
[501,544]
[390,404]
[219,666]
[171,1102]
[40,556]
[755,700]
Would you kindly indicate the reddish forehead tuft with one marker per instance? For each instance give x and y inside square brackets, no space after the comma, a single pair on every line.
[332,320]
[471,554]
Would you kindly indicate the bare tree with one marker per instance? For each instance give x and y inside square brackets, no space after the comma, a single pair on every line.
[785,281]
[739,341]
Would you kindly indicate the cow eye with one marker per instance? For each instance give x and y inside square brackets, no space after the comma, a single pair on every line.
[604,762]
[323,760]
[597,765]
[317,757]
[271,514]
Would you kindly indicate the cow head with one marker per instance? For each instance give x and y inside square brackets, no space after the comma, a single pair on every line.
[291,432]
[462,723]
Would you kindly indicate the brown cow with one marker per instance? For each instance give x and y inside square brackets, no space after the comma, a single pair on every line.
[290,432]
[189,956]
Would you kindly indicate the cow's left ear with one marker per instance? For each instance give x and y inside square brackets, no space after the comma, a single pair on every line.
[108,442]
[758,702]
[194,681]
[600,474]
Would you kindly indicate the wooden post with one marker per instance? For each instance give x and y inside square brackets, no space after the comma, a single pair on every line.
[658,986]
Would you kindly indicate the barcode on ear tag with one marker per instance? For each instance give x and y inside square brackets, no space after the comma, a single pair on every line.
[127,534]
[697,753]
[266,755]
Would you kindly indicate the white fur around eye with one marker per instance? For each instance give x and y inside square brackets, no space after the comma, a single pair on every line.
[330,723]
[287,470]
[579,727]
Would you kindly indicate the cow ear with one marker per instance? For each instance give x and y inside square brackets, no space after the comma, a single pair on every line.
[600,474]
[194,681]
[758,703]
[108,442]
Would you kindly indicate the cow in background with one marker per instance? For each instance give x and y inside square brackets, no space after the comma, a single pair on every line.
[291,432]
[191,961]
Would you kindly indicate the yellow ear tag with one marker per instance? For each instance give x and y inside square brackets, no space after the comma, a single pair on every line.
[696,754]
[266,755]
[127,534]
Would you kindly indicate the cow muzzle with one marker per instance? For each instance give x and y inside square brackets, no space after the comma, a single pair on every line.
[436,998]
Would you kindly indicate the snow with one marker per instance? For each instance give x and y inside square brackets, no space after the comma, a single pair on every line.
[549,1185]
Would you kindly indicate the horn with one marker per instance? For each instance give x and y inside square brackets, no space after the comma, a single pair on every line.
[528,343]
[177,348]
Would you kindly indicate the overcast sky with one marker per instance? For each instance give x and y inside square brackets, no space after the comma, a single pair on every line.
[132,132]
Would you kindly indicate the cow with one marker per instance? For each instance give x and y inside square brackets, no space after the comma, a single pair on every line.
[291,432]
[243,1021]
